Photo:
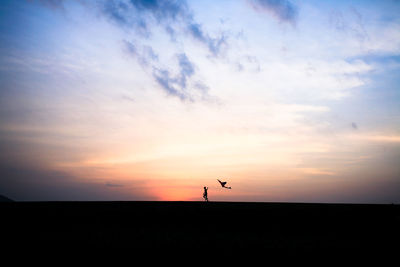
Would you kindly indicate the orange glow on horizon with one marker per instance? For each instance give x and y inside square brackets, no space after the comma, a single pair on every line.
[177,193]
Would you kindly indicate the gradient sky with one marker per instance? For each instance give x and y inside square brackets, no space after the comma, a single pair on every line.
[294,101]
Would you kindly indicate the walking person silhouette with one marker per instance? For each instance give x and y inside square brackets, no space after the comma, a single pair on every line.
[205,194]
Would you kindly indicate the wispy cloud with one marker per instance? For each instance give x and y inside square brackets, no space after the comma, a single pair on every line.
[144,54]
[174,17]
[186,69]
[113,185]
[214,45]
[351,22]
[54,4]
[177,85]
[173,84]
[283,10]
[168,83]
[316,171]
[378,138]
[140,14]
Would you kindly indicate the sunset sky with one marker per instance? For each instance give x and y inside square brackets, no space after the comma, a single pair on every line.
[287,101]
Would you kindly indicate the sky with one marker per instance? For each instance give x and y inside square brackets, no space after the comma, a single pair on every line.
[287,101]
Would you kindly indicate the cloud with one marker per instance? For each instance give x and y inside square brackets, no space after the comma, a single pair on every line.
[140,19]
[214,45]
[316,171]
[124,16]
[177,85]
[176,19]
[113,185]
[174,16]
[169,84]
[139,14]
[26,175]
[144,54]
[182,84]
[26,183]
[350,23]
[283,10]
[354,126]
[354,34]
[54,4]
[162,9]
[186,69]
[128,98]
[380,138]
[174,85]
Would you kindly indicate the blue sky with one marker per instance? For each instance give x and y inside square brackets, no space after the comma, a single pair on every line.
[152,100]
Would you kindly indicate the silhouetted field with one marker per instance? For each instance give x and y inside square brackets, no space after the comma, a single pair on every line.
[197,225]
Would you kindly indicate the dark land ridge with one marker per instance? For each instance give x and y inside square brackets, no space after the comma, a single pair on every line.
[5,199]
[231,226]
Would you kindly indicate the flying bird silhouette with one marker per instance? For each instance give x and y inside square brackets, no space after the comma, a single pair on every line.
[223,184]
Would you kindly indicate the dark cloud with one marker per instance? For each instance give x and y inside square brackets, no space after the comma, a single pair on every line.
[162,10]
[186,66]
[174,85]
[174,17]
[283,10]
[354,126]
[177,85]
[24,182]
[27,173]
[169,84]
[114,185]
[28,183]
[140,18]
[54,4]
[125,16]
[144,54]
[186,69]
[214,45]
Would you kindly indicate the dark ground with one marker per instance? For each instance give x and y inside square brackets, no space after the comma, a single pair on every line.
[225,226]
